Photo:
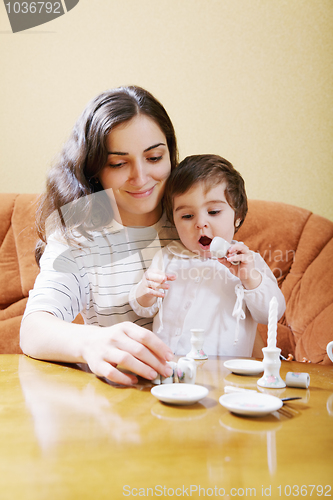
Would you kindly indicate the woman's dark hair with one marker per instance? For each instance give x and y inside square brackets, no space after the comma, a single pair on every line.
[75,174]
[211,170]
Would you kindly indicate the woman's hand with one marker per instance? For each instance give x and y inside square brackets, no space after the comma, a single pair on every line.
[44,336]
[130,346]
[240,262]
[152,285]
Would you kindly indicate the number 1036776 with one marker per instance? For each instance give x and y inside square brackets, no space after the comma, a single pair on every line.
[310,490]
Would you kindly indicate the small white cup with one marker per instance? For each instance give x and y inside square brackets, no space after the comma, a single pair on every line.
[219,247]
[186,370]
[171,378]
[301,380]
[166,380]
[329,350]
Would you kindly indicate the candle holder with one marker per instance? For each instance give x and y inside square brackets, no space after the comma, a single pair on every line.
[272,363]
[197,341]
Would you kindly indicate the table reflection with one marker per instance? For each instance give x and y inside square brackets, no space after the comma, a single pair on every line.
[54,404]
[80,420]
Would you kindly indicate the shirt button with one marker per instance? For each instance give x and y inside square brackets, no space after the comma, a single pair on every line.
[187,306]
[197,279]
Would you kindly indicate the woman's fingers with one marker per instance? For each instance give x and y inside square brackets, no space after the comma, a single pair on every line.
[112,373]
[131,347]
[145,347]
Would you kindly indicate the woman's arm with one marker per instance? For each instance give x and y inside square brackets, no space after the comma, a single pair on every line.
[44,336]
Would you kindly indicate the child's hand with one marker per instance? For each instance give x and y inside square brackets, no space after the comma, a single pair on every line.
[240,262]
[153,285]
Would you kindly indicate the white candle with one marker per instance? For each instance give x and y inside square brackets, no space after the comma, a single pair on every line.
[272,323]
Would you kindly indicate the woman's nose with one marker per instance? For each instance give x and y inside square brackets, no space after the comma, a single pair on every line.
[139,174]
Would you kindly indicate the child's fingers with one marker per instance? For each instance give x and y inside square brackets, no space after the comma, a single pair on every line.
[240,257]
[170,277]
[155,277]
[154,285]
[238,248]
[159,277]
[156,292]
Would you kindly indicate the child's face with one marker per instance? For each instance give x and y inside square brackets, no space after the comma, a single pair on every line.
[201,215]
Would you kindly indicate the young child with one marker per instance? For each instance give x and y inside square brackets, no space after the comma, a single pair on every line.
[205,197]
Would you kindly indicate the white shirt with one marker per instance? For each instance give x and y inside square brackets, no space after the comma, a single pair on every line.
[95,280]
[208,296]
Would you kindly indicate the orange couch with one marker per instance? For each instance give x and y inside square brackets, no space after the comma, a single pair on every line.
[296,244]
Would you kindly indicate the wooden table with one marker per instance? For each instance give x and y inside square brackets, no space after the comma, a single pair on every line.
[65,434]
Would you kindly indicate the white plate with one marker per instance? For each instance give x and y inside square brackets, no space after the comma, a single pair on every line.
[251,404]
[244,366]
[179,394]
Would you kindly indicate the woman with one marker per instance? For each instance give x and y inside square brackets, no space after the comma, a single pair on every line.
[100,223]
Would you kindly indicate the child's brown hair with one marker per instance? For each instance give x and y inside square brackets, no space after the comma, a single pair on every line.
[211,170]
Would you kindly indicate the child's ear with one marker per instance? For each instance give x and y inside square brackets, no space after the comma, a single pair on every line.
[237,223]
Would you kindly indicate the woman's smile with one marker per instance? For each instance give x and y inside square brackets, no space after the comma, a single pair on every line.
[141,194]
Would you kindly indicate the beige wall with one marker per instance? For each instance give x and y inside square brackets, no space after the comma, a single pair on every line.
[250,80]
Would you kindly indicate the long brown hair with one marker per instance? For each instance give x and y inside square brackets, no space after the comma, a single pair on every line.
[66,204]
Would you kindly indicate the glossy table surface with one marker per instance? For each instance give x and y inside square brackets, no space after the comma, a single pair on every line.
[65,434]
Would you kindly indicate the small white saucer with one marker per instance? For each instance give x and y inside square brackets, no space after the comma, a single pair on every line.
[244,366]
[250,404]
[179,394]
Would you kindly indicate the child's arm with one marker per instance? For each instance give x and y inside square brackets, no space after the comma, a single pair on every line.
[258,280]
[152,286]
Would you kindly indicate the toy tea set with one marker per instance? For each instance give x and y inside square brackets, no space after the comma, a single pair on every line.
[184,392]
[237,400]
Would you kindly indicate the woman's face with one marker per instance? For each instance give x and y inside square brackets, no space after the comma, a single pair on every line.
[136,171]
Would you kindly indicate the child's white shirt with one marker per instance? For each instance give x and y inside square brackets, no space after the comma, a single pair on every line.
[207,295]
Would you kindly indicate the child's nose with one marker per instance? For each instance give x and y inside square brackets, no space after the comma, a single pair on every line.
[201,222]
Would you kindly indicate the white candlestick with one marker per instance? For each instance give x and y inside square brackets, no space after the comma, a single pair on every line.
[272,323]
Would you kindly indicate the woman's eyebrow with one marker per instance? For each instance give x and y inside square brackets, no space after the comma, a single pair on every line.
[120,153]
[154,146]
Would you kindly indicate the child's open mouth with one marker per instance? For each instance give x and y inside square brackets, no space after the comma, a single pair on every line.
[205,242]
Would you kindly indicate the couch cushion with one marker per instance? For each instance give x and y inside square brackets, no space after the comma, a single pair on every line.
[18,268]
[298,247]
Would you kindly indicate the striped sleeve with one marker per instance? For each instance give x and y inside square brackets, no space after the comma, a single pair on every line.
[58,287]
